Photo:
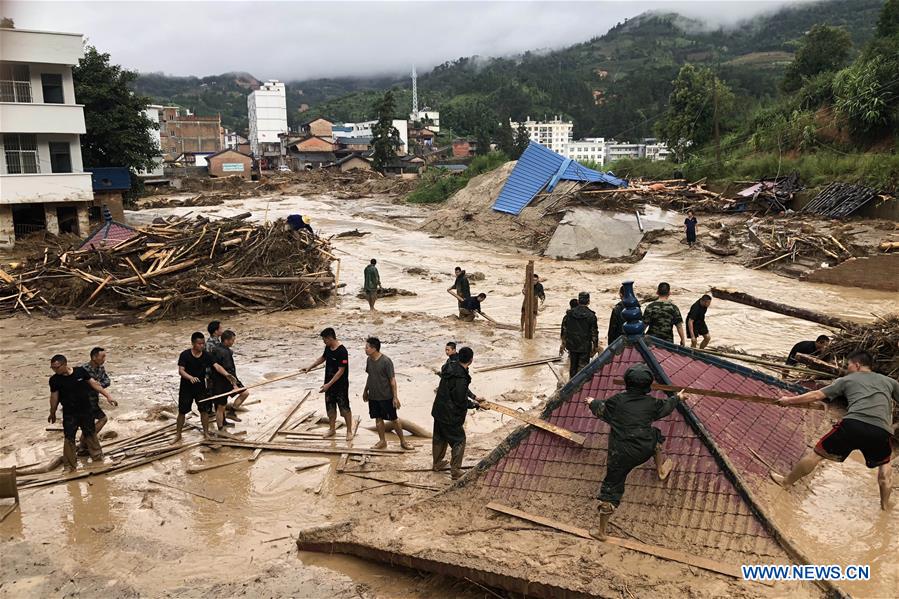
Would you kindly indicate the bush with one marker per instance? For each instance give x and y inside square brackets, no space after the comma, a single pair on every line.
[437,185]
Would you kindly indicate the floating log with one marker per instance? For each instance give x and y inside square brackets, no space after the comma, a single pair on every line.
[801,313]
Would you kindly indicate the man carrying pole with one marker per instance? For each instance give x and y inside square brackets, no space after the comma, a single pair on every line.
[451,405]
[461,286]
[633,439]
[337,382]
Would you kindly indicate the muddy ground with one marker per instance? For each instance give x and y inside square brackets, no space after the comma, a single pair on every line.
[122,535]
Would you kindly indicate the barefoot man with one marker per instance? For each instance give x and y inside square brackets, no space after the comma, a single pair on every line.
[192,365]
[380,393]
[867,425]
[634,440]
[337,382]
[72,387]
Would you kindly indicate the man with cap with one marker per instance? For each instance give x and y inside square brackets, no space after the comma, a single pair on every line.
[580,334]
[300,222]
[633,439]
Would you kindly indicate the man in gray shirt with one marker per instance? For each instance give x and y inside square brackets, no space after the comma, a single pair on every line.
[867,425]
[380,393]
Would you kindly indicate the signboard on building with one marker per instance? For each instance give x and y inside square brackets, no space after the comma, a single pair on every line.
[233,166]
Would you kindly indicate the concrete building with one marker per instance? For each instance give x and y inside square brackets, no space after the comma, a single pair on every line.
[42,182]
[555,134]
[184,133]
[655,150]
[267,111]
[154,113]
[589,149]
[364,129]
[319,127]
[229,163]
[429,119]
[234,140]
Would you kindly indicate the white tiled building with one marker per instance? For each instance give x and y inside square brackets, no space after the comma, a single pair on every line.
[267,112]
[42,183]
[555,134]
[589,149]
[426,115]
[153,112]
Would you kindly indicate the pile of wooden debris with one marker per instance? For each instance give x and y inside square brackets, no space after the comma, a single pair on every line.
[175,266]
[675,194]
[782,242]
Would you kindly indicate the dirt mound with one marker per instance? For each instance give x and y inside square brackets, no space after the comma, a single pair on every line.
[468,214]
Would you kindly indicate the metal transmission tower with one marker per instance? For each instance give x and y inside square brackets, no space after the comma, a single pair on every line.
[414,94]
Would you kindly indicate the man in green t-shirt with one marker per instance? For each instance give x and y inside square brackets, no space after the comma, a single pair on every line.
[867,425]
[372,283]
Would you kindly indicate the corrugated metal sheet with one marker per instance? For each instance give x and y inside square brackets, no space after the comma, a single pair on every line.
[537,167]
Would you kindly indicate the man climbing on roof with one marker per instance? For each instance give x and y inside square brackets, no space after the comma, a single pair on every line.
[662,315]
[580,334]
[867,426]
[633,439]
[451,405]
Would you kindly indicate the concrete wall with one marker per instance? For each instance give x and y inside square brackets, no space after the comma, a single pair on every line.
[113,201]
[217,165]
[35,189]
[874,272]
[28,45]
[191,134]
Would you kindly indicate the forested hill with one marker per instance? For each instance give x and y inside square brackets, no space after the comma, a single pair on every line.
[616,84]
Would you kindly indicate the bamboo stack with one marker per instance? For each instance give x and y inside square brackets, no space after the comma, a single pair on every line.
[176,265]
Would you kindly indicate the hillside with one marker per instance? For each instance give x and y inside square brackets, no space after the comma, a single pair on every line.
[613,85]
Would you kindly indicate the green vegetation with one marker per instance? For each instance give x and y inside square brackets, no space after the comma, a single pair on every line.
[697,99]
[385,138]
[437,184]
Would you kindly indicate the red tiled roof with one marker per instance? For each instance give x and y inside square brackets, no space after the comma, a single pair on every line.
[108,235]
[699,505]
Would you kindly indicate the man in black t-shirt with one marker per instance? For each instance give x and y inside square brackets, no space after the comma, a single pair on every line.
[72,388]
[696,326]
[810,348]
[470,307]
[192,365]
[223,378]
[337,382]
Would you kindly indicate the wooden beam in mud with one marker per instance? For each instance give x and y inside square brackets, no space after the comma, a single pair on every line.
[280,426]
[801,313]
[530,302]
[534,421]
[654,550]
[302,448]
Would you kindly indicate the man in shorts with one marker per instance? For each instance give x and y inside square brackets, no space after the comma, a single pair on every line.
[71,387]
[380,393]
[225,382]
[95,367]
[371,283]
[337,382]
[867,425]
[696,326]
[192,365]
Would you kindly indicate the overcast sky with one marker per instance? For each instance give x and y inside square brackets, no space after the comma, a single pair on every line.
[301,40]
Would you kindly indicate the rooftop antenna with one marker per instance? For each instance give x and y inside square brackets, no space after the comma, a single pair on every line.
[414,94]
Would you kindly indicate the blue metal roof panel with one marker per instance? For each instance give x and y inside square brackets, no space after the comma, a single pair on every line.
[538,166]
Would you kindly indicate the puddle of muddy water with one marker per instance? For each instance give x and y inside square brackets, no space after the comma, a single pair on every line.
[156,540]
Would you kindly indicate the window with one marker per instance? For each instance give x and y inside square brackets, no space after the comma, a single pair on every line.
[20,150]
[60,157]
[15,83]
[52,86]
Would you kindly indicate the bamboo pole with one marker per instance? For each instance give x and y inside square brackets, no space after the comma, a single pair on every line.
[522,364]
[280,426]
[728,395]
[253,386]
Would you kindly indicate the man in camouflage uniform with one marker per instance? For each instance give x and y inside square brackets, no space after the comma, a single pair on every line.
[580,334]
[662,315]
[96,369]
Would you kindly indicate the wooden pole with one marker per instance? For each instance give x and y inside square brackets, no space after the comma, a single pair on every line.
[253,386]
[534,421]
[194,493]
[530,302]
[801,313]
[727,395]
[96,291]
[820,364]
[280,426]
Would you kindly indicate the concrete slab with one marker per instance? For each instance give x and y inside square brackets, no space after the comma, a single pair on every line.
[609,234]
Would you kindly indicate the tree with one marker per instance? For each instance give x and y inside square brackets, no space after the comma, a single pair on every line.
[118,132]
[888,22]
[690,120]
[483,143]
[823,49]
[522,139]
[385,138]
[506,139]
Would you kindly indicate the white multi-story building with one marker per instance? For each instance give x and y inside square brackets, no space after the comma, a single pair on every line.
[616,150]
[233,139]
[267,111]
[365,129]
[153,112]
[655,150]
[42,182]
[555,134]
[429,118]
[589,149]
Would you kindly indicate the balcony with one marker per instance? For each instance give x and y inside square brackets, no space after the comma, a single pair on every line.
[41,118]
[50,187]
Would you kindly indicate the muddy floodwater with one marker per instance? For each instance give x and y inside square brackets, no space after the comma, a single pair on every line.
[122,535]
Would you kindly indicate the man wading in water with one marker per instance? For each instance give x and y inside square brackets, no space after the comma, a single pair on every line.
[633,439]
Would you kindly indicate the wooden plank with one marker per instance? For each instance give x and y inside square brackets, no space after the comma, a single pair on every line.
[198,469]
[254,385]
[302,448]
[194,493]
[137,272]
[654,550]
[224,297]
[534,421]
[530,301]
[522,364]
[161,271]
[96,291]
[280,426]
[727,395]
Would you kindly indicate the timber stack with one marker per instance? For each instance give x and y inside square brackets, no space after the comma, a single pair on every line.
[782,242]
[176,266]
[676,194]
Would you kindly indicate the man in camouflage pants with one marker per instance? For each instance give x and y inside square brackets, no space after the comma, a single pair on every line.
[662,315]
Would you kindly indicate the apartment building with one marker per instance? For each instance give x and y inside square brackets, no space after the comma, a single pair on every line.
[555,134]
[42,182]
[589,149]
[267,112]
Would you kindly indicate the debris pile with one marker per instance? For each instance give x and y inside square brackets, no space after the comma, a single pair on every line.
[782,241]
[177,265]
[387,292]
[675,194]
[776,194]
[840,199]
[880,338]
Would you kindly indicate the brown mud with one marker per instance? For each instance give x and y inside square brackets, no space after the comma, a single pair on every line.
[123,535]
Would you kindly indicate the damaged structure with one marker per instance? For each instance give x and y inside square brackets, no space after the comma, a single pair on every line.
[713,512]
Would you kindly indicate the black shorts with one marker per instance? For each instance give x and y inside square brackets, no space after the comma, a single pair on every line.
[848,435]
[337,399]
[72,420]
[699,329]
[96,410]
[194,393]
[382,410]
[221,385]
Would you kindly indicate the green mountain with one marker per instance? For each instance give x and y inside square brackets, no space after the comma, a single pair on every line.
[614,85]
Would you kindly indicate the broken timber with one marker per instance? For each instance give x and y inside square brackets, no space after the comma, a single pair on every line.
[660,552]
[534,421]
[801,313]
[301,448]
[727,395]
